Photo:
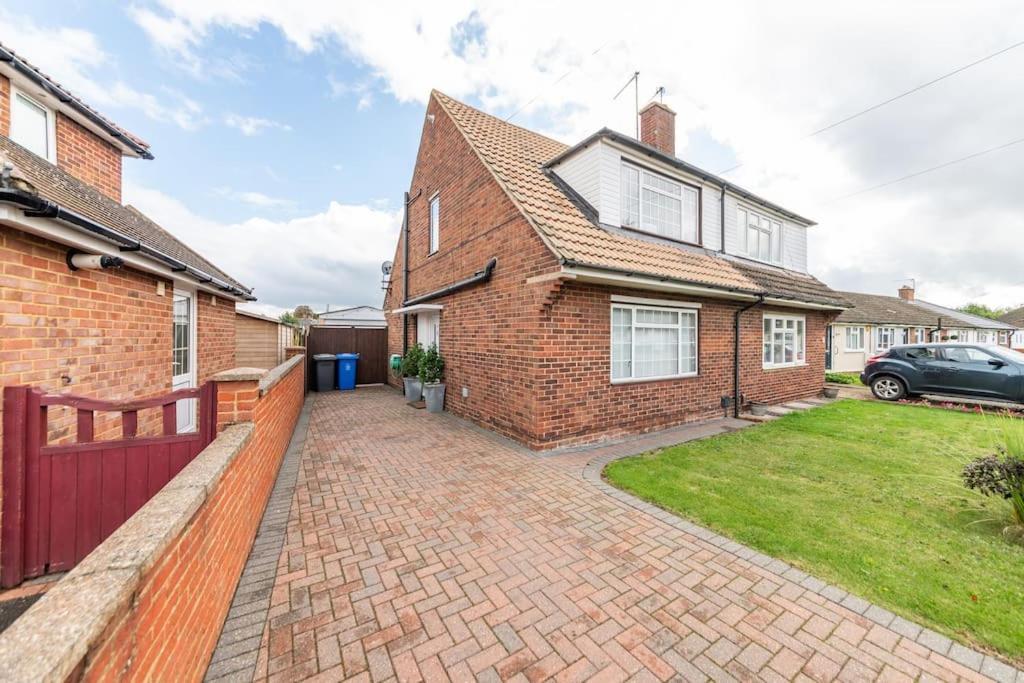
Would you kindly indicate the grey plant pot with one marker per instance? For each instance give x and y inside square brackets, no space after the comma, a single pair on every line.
[433,395]
[831,392]
[413,389]
[758,409]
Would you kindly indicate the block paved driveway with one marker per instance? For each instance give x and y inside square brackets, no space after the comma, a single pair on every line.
[420,547]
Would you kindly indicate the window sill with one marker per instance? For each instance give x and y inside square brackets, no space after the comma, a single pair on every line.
[662,378]
[787,366]
[853,350]
[674,240]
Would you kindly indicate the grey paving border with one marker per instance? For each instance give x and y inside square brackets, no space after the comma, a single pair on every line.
[234,658]
[985,664]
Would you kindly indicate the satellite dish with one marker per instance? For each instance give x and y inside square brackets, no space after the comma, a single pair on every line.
[386,267]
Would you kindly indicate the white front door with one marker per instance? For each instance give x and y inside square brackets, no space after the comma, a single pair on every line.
[183,355]
[428,329]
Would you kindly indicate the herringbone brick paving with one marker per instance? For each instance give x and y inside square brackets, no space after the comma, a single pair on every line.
[421,548]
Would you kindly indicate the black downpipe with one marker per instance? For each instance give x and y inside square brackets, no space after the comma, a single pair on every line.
[736,354]
[476,278]
[405,274]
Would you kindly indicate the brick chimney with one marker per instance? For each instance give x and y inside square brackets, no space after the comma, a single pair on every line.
[907,293]
[658,127]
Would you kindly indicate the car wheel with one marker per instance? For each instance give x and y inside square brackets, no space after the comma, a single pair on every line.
[888,388]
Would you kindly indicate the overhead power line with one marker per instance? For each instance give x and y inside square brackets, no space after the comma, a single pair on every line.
[915,174]
[900,96]
[555,82]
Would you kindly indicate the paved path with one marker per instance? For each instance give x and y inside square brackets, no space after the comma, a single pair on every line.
[420,547]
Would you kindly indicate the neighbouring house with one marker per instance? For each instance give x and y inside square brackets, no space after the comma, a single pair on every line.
[260,341]
[354,316]
[1015,319]
[581,293]
[876,323]
[96,299]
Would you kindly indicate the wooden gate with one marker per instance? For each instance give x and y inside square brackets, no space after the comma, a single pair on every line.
[61,501]
[370,343]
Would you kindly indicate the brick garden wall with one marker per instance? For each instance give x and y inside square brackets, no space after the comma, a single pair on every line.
[159,617]
[486,331]
[88,158]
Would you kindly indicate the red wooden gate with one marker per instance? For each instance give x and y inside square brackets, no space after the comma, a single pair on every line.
[61,501]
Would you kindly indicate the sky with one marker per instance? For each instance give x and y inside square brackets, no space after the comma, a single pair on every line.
[286,133]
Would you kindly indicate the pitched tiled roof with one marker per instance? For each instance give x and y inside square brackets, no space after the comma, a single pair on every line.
[20,64]
[516,156]
[877,309]
[1014,317]
[55,185]
[962,319]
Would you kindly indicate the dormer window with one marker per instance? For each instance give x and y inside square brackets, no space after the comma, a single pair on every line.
[759,236]
[32,126]
[658,205]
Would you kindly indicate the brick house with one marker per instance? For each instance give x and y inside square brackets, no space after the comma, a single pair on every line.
[587,292]
[162,317]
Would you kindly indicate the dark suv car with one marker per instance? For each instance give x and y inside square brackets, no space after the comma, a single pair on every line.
[977,370]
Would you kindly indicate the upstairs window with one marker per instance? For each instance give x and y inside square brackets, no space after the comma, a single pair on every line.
[759,236]
[32,126]
[655,204]
[784,341]
[435,222]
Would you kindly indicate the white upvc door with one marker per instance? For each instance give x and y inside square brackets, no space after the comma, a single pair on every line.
[428,329]
[183,355]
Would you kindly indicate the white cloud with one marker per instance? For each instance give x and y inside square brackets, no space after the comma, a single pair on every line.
[75,58]
[756,77]
[256,199]
[253,125]
[332,256]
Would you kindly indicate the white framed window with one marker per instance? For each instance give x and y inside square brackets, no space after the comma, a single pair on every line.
[854,338]
[435,222]
[652,342]
[658,205]
[983,337]
[759,236]
[885,338]
[33,125]
[785,340]
[921,336]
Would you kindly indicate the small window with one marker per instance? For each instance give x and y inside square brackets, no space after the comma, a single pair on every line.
[966,354]
[886,338]
[759,237]
[652,343]
[921,353]
[658,205]
[32,126]
[854,338]
[435,222]
[784,341]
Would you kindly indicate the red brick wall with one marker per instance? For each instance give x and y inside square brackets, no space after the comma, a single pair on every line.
[5,106]
[108,331]
[173,624]
[216,323]
[486,331]
[578,403]
[88,158]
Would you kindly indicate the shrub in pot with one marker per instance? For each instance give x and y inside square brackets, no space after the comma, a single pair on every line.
[431,372]
[410,370]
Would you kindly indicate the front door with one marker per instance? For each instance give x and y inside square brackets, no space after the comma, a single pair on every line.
[183,355]
[428,329]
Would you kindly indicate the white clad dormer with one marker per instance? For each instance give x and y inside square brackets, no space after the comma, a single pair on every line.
[650,195]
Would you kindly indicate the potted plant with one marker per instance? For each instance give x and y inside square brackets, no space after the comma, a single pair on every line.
[431,372]
[410,370]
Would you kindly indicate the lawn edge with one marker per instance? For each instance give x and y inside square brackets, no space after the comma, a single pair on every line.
[986,664]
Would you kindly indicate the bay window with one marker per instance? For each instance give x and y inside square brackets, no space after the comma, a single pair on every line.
[759,236]
[658,205]
[651,342]
[854,338]
[784,340]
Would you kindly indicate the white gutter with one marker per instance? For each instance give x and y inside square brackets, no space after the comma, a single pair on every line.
[62,234]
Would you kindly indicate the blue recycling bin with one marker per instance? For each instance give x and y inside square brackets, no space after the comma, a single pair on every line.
[347,370]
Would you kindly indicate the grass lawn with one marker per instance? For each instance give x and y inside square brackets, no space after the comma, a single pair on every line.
[865,495]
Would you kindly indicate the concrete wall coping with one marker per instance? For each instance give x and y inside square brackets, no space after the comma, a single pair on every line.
[55,635]
[240,375]
[275,375]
